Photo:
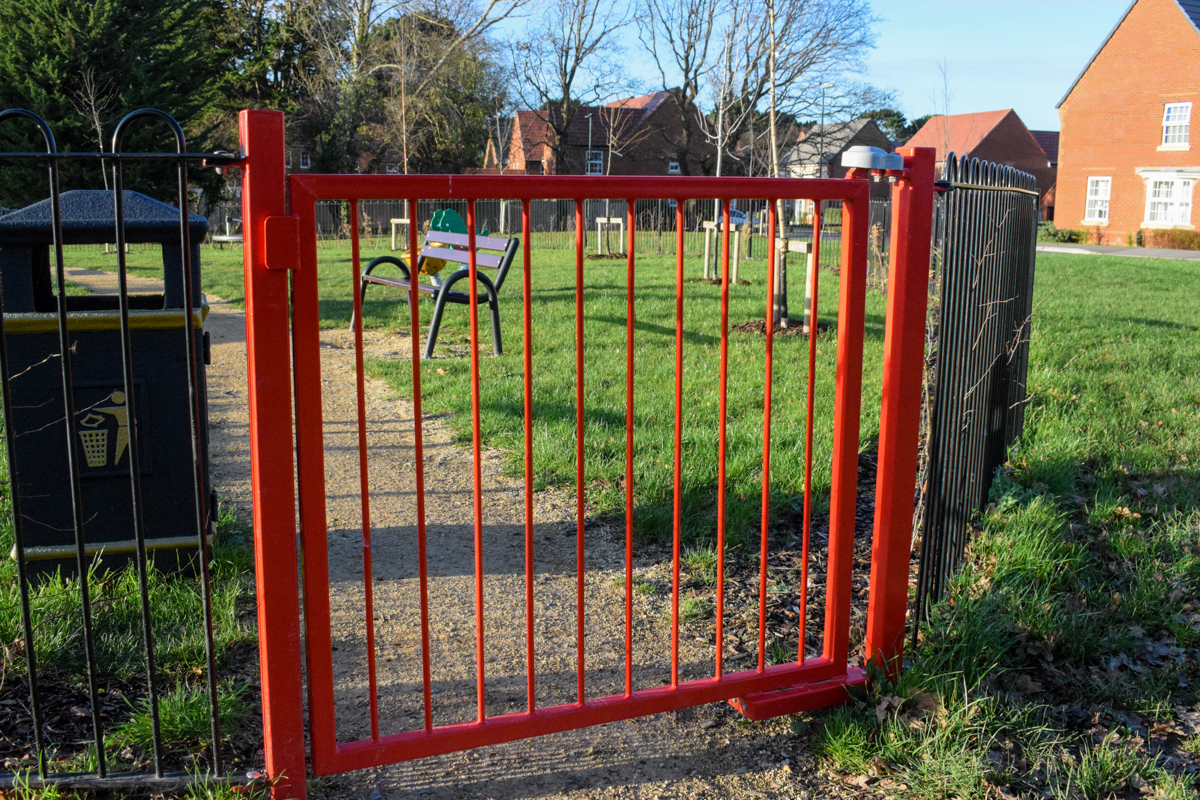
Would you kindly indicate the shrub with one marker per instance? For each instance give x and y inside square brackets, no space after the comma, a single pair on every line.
[1048,233]
[1174,240]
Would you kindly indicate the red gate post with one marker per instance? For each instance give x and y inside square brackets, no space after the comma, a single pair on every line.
[268,357]
[900,414]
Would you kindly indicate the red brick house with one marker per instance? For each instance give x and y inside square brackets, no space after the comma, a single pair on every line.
[632,136]
[997,136]
[1126,164]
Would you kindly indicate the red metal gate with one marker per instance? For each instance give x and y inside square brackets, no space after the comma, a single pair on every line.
[284,367]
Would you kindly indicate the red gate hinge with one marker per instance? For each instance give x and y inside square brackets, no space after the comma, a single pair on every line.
[282,238]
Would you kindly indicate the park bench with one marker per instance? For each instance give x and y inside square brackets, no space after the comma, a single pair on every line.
[451,247]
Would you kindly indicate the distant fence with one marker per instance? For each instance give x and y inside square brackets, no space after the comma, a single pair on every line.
[985,229]
[552,222]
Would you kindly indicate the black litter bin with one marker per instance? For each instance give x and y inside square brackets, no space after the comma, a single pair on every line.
[160,387]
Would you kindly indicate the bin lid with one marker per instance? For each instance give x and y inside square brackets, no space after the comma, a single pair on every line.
[87,218]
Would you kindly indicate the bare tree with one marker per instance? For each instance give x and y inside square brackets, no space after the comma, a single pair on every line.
[679,35]
[733,83]
[941,102]
[93,100]
[810,42]
[569,61]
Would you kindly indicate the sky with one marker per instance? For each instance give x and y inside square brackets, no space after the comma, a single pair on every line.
[1019,54]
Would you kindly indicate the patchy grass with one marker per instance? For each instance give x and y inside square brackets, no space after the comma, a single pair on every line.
[1063,661]
[184,720]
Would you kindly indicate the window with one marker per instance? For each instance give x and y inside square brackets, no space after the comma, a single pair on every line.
[1177,119]
[305,161]
[595,162]
[1097,199]
[393,169]
[1168,200]
[672,167]
[289,159]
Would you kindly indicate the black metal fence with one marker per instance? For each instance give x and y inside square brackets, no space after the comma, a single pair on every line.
[66,717]
[985,229]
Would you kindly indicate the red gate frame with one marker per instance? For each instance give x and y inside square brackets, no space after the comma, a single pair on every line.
[273,249]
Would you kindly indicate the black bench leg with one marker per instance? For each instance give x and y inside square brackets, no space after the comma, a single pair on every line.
[494,305]
[435,324]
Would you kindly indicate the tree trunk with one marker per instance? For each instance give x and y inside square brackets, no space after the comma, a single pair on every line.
[780,309]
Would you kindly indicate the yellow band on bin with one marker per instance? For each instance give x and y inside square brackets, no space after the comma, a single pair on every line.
[139,319]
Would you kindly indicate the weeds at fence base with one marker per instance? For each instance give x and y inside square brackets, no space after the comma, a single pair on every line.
[124,711]
[717,281]
[795,327]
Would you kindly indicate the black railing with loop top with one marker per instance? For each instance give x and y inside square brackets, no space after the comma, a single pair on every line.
[46,744]
[985,230]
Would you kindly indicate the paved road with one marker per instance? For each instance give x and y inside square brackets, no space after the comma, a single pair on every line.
[1128,252]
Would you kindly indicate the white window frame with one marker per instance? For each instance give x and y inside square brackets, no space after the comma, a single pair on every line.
[594,162]
[392,169]
[305,161]
[1097,205]
[289,159]
[1168,200]
[672,167]
[1176,125]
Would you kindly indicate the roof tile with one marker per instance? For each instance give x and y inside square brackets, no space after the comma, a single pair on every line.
[965,132]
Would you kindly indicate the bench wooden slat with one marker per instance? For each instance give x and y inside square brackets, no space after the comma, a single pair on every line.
[461,256]
[400,283]
[462,240]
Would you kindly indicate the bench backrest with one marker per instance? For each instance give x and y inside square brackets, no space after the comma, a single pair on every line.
[506,247]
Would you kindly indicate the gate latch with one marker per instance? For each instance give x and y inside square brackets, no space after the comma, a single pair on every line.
[282,238]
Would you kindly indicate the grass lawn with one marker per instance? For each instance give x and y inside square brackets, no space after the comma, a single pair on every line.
[1063,662]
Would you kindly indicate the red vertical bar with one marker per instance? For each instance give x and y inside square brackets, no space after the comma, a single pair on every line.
[678,464]
[269,370]
[527,321]
[310,482]
[630,204]
[363,479]
[579,454]
[847,408]
[719,660]
[477,459]
[414,225]
[899,418]
[766,469]
[810,402]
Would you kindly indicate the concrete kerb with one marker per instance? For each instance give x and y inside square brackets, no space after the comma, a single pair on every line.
[1127,252]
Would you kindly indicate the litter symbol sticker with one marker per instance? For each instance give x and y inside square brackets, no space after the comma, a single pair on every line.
[104,432]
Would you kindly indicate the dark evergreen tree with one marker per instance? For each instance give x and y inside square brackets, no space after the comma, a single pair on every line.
[83,64]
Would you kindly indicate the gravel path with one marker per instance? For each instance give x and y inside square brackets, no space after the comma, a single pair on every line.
[709,751]
[705,752]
